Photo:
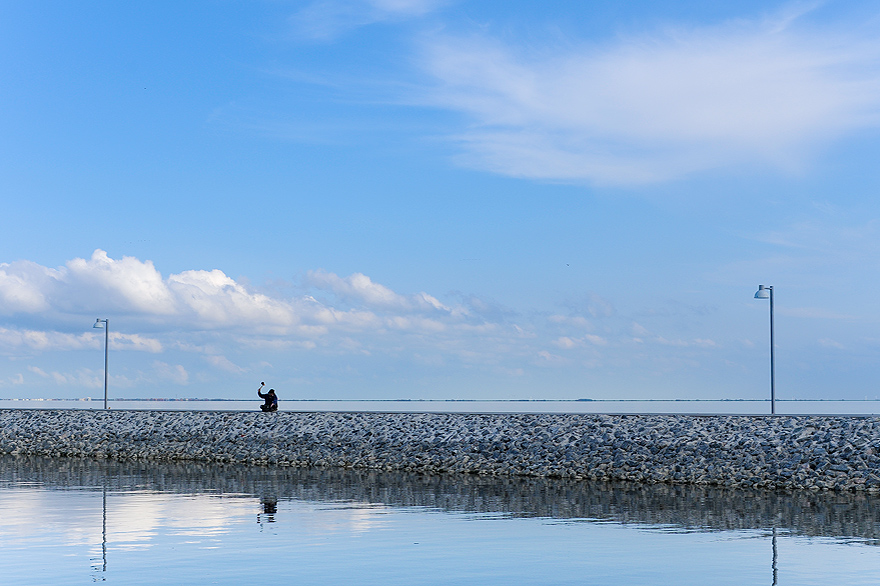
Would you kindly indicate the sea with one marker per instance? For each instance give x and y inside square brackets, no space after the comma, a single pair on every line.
[78,521]
[702,407]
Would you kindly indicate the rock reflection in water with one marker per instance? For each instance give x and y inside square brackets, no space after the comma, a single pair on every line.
[676,507]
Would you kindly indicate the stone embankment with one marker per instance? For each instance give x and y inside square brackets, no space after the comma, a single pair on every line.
[827,453]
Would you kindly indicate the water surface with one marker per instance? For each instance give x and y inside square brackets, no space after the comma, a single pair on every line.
[785,407]
[70,521]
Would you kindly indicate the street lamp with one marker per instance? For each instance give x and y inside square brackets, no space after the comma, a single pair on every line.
[767,293]
[104,323]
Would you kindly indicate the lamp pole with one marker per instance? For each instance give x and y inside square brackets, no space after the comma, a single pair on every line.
[765,293]
[104,323]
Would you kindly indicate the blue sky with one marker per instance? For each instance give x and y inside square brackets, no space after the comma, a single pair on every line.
[439,199]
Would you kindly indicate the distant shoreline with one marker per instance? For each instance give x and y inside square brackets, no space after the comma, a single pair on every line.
[245,399]
[740,407]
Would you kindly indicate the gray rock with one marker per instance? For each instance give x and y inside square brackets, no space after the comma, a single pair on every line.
[836,453]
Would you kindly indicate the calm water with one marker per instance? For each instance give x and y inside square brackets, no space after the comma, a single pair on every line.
[71,521]
[732,407]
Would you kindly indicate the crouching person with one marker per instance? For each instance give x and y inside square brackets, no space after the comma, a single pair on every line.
[270,399]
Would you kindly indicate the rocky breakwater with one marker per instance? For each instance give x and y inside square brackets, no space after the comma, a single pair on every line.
[827,453]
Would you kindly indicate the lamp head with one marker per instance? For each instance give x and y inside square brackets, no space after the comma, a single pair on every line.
[763,292]
[98,323]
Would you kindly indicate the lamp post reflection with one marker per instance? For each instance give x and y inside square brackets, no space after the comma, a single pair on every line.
[775,556]
[104,532]
[101,569]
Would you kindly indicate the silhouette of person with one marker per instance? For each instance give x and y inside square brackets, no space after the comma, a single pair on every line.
[270,508]
[270,399]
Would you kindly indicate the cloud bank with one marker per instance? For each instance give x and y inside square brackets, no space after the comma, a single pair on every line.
[203,300]
[100,285]
[210,327]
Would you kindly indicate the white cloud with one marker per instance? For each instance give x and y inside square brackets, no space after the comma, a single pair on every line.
[119,341]
[134,287]
[565,342]
[399,322]
[128,283]
[15,380]
[223,363]
[17,339]
[639,330]
[577,321]
[174,373]
[546,358]
[85,377]
[357,286]
[23,287]
[211,315]
[655,108]
[38,371]
[697,342]
[361,288]
[663,341]
[568,342]
[213,298]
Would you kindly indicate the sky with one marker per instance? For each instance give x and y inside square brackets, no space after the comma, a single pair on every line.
[439,199]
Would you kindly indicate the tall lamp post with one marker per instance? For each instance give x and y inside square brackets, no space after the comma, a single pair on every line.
[104,323]
[767,293]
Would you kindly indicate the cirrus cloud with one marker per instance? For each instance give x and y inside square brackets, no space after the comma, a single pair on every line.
[656,107]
